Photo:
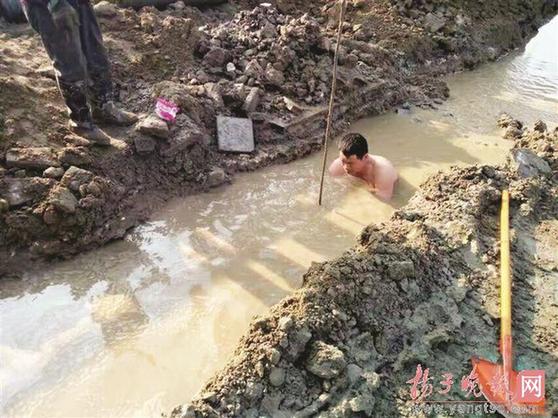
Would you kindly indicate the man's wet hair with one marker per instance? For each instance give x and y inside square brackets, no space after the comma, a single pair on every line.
[353,144]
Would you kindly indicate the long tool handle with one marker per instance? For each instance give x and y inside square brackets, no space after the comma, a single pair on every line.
[505,286]
[343,6]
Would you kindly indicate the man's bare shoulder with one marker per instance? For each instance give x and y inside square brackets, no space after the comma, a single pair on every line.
[382,161]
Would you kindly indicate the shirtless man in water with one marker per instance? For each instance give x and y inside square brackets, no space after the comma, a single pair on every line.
[354,160]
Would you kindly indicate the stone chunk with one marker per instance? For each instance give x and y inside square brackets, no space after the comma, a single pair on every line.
[277,376]
[53,172]
[105,9]
[235,134]
[215,57]
[252,100]
[216,177]
[19,191]
[75,156]
[76,177]
[274,77]
[433,22]
[540,126]
[144,145]
[528,164]
[325,361]
[399,270]
[63,199]
[38,157]
[154,126]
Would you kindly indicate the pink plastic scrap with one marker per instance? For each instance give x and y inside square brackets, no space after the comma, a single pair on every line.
[166,109]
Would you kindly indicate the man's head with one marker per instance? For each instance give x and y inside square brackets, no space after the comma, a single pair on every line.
[353,149]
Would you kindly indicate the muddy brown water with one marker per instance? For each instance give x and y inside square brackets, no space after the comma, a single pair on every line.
[137,327]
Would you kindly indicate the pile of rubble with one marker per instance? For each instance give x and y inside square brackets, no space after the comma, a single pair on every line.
[265,48]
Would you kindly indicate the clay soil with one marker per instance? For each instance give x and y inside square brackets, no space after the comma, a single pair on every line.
[60,195]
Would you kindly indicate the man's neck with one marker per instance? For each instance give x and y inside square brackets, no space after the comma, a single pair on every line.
[368,171]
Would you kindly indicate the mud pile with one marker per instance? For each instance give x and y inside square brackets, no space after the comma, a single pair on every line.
[60,195]
[421,288]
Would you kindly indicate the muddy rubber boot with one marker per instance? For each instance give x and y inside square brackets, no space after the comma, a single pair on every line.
[108,112]
[90,131]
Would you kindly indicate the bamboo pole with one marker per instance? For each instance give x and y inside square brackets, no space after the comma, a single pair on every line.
[332,95]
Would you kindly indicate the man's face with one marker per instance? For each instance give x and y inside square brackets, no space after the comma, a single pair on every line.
[352,165]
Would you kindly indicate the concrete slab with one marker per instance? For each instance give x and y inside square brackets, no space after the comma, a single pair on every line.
[235,134]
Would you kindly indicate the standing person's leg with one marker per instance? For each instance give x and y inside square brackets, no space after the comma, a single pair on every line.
[98,67]
[60,35]
[59,31]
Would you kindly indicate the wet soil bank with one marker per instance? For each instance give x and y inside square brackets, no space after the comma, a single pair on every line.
[421,288]
[59,195]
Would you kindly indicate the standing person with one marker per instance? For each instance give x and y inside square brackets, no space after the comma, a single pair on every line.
[378,172]
[73,41]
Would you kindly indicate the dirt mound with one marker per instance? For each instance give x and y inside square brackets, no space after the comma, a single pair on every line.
[271,63]
[420,289]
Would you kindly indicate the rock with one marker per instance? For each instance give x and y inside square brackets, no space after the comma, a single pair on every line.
[75,177]
[20,174]
[63,199]
[297,343]
[179,94]
[274,77]
[253,69]
[215,57]
[144,145]
[94,188]
[76,140]
[50,216]
[4,205]
[325,361]
[433,23]
[351,60]
[216,177]
[254,390]
[154,126]
[213,91]
[528,164]
[359,4]
[506,120]
[53,172]
[252,100]
[231,68]
[105,9]
[75,156]
[185,138]
[274,356]
[21,191]
[35,158]
[540,126]
[512,132]
[268,31]
[277,376]
[398,270]
[354,373]
[291,105]
[285,323]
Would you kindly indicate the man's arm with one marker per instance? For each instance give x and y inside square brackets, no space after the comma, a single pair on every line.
[384,188]
[336,168]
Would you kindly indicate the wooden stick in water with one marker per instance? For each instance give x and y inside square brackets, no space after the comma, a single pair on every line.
[332,96]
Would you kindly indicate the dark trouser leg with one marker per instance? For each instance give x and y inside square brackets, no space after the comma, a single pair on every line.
[93,48]
[59,31]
